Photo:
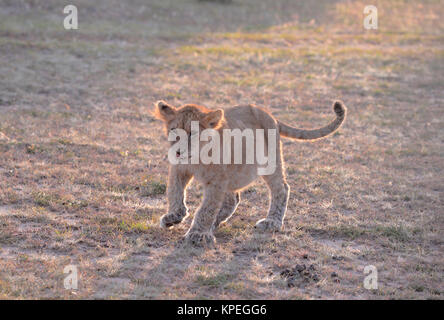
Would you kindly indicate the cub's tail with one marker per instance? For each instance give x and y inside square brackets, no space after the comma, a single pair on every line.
[302,134]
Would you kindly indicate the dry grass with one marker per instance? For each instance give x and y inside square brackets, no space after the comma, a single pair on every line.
[83,170]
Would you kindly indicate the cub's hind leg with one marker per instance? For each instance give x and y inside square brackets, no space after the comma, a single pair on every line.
[279,193]
[229,206]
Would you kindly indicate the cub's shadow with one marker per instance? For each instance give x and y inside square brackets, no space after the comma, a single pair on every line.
[181,266]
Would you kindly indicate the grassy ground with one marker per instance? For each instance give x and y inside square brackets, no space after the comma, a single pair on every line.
[83,168]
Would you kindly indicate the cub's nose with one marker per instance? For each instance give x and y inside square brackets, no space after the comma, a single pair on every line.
[177,154]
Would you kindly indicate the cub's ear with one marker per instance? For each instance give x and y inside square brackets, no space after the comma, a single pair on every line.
[213,119]
[164,111]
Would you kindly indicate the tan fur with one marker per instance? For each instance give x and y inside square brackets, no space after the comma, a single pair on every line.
[223,182]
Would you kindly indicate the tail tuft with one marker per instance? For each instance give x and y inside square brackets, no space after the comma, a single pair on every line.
[339,108]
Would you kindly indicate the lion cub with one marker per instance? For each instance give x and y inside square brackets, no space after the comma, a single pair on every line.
[224,181]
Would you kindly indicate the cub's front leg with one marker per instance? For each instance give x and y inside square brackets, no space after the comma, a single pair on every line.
[201,231]
[178,180]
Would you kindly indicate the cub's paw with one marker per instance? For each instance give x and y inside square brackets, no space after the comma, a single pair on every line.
[198,239]
[170,219]
[269,225]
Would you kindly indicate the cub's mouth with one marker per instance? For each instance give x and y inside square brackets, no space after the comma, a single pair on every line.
[183,155]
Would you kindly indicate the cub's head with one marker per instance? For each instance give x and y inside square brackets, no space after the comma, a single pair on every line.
[181,117]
